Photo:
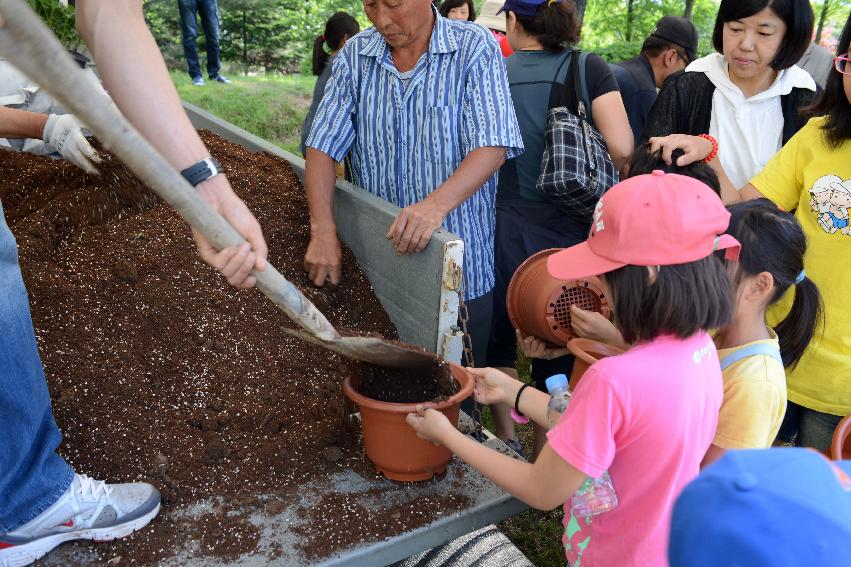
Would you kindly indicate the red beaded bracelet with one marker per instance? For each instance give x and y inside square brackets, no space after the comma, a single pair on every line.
[714,143]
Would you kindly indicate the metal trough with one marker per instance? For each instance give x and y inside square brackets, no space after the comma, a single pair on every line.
[413,293]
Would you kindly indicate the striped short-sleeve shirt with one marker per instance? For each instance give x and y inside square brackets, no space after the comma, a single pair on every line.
[403,143]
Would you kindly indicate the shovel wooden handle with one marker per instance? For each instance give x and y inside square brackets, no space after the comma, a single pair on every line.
[27,43]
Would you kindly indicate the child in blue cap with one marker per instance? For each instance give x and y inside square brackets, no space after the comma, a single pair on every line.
[765,508]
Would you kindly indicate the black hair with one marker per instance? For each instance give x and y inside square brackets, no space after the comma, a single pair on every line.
[684,299]
[337,28]
[452,4]
[774,242]
[556,25]
[653,46]
[796,14]
[833,101]
[643,161]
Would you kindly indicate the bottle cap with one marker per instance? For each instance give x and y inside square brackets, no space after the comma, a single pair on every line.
[556,382]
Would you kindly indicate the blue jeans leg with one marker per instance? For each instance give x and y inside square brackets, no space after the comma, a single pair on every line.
[32,475]
[817,429]
[209,11]
[189,30]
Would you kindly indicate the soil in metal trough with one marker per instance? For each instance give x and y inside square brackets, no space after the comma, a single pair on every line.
[161,372]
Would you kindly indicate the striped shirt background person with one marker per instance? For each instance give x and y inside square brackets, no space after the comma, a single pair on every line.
[405,141]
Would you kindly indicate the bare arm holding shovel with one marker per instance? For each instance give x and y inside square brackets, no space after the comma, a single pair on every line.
[135,75]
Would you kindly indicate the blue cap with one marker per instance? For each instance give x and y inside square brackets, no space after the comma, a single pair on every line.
[524,7]
[780,507]
[556,382]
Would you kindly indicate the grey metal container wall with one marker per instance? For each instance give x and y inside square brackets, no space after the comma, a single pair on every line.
[411,288]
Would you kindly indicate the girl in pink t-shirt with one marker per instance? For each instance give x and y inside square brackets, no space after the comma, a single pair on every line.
[646,416]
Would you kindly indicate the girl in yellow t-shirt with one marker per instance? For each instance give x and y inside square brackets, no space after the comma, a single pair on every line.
[751,354]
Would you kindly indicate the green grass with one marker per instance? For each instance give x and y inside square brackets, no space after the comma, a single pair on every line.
[272,107]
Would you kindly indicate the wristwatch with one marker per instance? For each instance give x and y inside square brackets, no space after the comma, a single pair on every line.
[202,171]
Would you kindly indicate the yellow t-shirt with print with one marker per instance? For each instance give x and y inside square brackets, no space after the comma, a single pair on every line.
[754,399]
[808,176]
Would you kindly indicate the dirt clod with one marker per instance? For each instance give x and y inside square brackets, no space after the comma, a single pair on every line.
[332,454]
[274,507]
[126,271]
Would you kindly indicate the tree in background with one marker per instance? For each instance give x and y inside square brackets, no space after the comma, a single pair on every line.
[273,36]
[276,36]
[616,29]
[60,19]
[580,6]
[827,11]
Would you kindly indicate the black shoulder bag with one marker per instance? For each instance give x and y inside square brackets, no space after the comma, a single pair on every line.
[576,168]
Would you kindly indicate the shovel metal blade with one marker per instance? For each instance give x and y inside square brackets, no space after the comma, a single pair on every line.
[373,350]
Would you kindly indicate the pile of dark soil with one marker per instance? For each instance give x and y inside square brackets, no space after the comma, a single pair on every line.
[405,386]
[161,372]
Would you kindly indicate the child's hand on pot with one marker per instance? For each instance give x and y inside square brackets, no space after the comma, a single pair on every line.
[594,326]
[430,424]
[491,385]
[533,347]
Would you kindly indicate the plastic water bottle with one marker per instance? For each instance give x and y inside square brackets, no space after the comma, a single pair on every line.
[596,495]
[559,398]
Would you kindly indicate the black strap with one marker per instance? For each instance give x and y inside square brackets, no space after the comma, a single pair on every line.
[581,101]
[557,88]
[582,113]
[201,171]
[517,400]
[576,75]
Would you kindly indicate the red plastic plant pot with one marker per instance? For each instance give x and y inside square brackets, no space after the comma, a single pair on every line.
[587,352]
[539,304]
[392,445]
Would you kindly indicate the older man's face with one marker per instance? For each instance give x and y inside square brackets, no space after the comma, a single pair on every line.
[400,22]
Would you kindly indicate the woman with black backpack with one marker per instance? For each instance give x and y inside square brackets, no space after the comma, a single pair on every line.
[529,220]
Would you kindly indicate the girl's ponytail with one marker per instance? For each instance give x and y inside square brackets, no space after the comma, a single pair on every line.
[774,242]
[320,57]
[800,325]
[338,29]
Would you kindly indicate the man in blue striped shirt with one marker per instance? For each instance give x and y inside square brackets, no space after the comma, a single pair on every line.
[422,107]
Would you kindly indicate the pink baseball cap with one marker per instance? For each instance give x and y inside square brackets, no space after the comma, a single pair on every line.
[659,219]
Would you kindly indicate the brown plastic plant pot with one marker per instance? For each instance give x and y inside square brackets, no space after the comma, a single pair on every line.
[392,445]
[587,352]
[539,304]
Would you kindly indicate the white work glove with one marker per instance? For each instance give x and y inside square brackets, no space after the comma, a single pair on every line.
[64,133]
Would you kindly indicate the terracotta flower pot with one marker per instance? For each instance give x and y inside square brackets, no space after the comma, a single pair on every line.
[539,304]
[587,352]
[392,445]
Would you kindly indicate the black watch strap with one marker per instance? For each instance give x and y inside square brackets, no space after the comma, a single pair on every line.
[201,171]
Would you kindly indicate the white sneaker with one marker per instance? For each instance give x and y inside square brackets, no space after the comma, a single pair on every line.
[89,509]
